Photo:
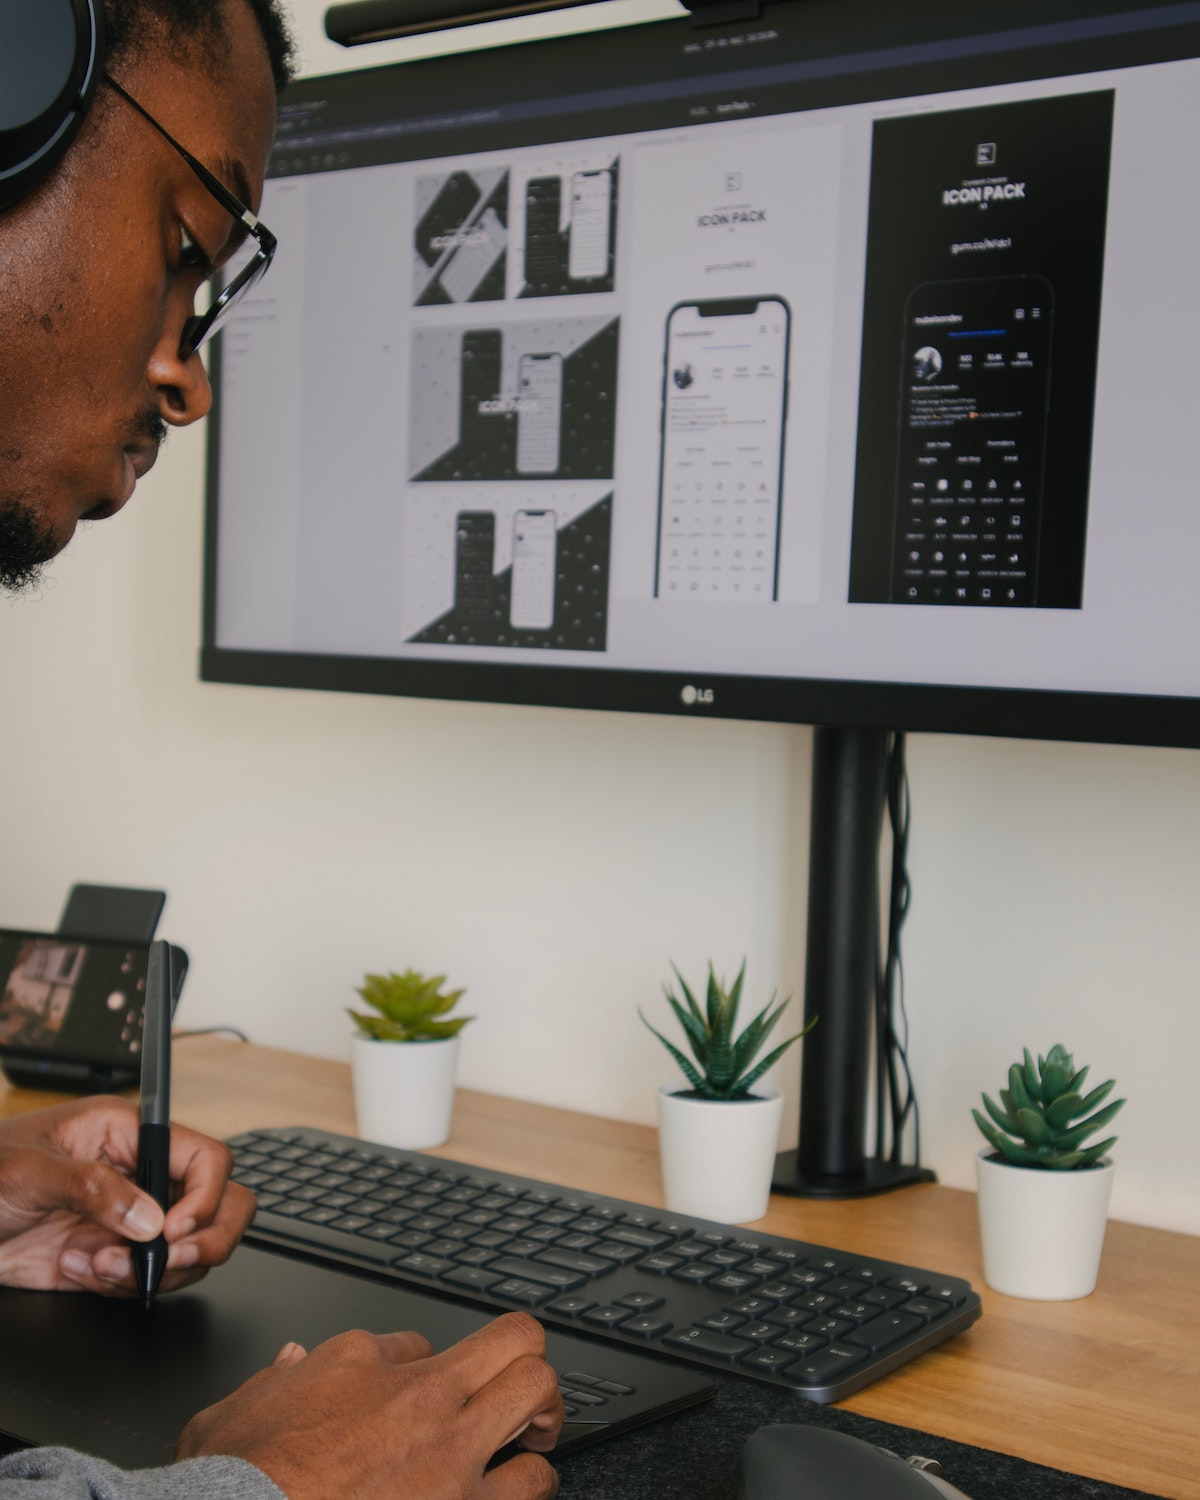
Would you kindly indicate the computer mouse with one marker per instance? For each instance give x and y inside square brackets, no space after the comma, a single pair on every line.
[797,1462]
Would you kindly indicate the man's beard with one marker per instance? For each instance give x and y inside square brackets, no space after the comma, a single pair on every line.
[25,546]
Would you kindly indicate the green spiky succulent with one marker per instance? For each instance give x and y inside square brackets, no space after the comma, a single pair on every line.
[726,1064]
[1042,1122]
[409,1006]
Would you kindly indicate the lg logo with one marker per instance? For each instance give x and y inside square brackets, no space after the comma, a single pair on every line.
[693,695]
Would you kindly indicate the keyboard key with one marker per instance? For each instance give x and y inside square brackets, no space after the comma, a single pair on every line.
[530,1270]
[640,1239]
[325,1237]
[606,1317]
[474,1278]
[855,1312]
[611,1388]
[770,1360]
[758,1332]
[887,1329]
[714,1240]
[690,1250]
[824,1366]
[829,1328]
[425,1265]
[799,1342]
[473,1255]
[924,1307]
[752,1307]
[696,1274]
[760,1268]
[527,1293]
[541,1196]
[885,1297]
[734,1281]
[906,1284]
[623,1255]
[575,1260]
[728,1258]
[777,1291]
[585,1398]
[570,1307]
[704,1341]
[807,1278]
[646,1326]
[578,1241]
[722,1322]
[788,1317]
[639,1301]
[660,1265]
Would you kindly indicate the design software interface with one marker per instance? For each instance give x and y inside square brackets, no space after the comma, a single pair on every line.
[864,383]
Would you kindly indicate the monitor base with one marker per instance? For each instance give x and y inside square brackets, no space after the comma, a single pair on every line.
[874,1178]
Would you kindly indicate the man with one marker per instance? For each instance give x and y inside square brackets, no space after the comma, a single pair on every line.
[99,268]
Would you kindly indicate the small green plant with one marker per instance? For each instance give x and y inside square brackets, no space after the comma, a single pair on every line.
[1042,1121]
[726,1066]
[409,1006]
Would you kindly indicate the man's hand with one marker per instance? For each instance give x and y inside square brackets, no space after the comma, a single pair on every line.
[368,1418]
[69,1207]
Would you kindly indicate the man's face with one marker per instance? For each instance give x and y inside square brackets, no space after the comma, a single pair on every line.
[97,278]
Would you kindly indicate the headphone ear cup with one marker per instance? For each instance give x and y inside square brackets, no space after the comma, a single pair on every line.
[51,59]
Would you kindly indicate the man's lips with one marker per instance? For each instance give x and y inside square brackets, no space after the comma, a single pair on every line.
[137,461]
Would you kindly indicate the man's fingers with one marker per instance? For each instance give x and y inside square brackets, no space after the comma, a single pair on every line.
[481,1356]
[215,1242]
[200,1168]
[526,1477]
[523,1400]
[404,1347]
[100,1194]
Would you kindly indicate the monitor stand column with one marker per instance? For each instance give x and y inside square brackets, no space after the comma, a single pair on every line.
[848,797]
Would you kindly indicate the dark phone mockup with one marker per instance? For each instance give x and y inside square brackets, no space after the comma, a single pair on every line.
[71,1009]
[474,558]
[543,211]
[725,376]
[974,401]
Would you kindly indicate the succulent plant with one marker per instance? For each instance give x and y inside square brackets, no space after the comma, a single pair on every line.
[409,1005]
[726,1065]
[1042,1122]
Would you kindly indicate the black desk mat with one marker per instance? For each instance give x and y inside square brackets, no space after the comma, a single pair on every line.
[694,1456]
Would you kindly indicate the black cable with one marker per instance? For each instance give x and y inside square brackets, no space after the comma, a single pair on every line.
[178,1036]
[895,1096]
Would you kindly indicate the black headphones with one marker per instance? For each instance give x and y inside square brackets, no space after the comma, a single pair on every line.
[51,59]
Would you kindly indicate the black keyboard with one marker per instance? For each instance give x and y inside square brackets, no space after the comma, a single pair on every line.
[821,1322]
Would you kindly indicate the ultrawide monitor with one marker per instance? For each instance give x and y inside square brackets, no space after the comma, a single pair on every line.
[837,368]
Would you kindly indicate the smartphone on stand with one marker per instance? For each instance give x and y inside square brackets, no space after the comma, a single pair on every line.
[721,465]
[535,561]
[539,413]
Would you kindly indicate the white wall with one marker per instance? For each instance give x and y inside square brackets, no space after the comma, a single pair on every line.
[555,861]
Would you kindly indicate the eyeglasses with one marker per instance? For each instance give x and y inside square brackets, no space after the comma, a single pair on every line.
[200,325]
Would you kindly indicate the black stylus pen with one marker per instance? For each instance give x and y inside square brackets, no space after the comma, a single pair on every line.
[154,1131]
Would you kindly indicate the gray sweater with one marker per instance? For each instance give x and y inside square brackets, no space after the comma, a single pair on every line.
[60,1474]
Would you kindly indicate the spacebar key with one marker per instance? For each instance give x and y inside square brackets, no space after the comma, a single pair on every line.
[318,1237]
[559,1278]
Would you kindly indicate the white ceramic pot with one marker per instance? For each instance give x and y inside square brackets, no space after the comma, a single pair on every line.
[718,1157]
[1043,1231]
[403,1091]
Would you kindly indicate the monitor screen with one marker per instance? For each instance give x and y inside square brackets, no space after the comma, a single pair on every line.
[832,368]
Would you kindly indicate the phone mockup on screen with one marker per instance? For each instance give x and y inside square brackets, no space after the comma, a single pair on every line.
[482,350]
[445,216]
[543,209]
[975,389]
[539,413]
[482,244]
[724,408]
[535,560]
[474,559]
[591,216]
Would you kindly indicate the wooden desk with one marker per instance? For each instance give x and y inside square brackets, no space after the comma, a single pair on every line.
[1108,1386]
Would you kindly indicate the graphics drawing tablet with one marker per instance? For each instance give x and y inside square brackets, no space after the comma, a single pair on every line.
[111,1379]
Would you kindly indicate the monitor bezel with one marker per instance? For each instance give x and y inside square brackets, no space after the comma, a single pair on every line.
[1057,714]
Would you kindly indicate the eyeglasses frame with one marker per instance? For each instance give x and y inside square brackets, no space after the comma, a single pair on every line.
[200,325]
